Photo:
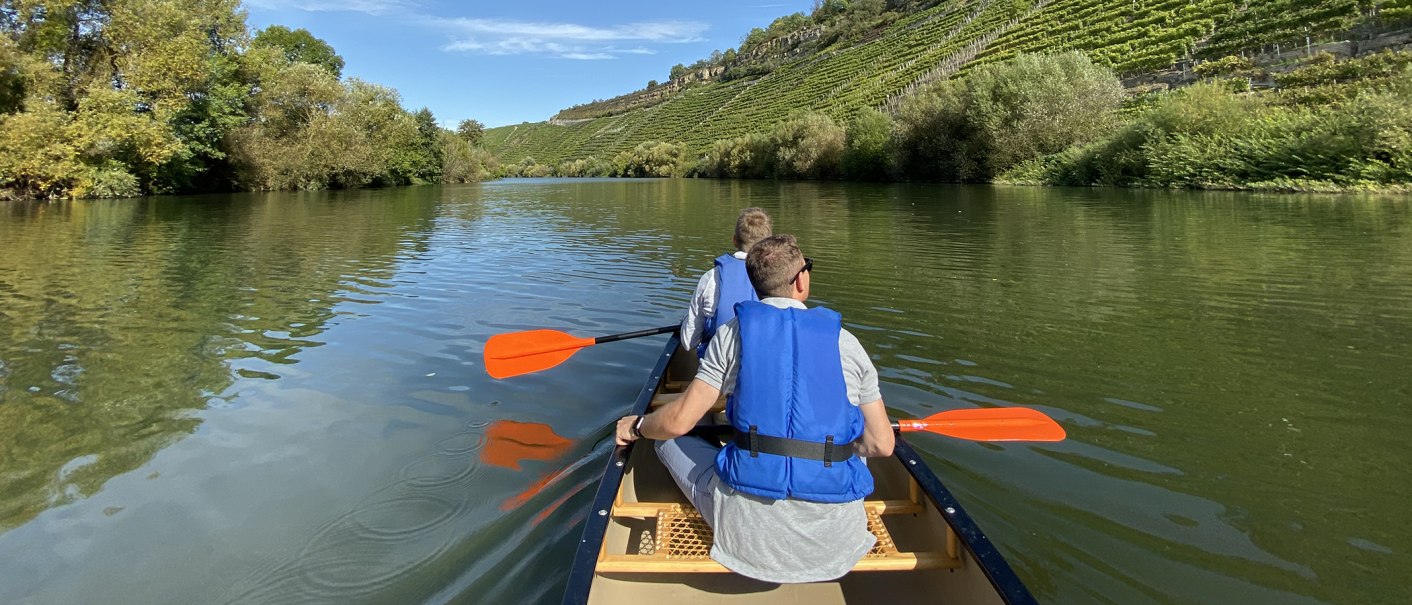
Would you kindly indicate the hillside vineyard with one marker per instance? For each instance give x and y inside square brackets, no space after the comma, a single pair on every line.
[919,43]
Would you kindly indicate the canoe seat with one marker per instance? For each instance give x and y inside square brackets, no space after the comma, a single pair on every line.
[681,542]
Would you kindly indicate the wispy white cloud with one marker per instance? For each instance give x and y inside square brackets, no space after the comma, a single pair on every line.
[651,31]
[565,40]
[587,56]
[371,7]
[494,36]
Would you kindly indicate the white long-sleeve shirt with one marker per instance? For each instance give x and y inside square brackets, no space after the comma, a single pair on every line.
[703,305]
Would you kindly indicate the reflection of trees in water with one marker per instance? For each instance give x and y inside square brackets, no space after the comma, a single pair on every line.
[120,320]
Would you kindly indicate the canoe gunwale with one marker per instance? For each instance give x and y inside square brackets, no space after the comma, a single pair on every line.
[596,527]
[996,568]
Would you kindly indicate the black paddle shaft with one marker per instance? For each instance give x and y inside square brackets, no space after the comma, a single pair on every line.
[639,334]
[717,430]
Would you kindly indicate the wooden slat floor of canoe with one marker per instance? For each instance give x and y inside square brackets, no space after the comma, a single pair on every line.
[669,536]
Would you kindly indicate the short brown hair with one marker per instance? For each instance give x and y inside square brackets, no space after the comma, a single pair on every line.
[772,264]
[751,226]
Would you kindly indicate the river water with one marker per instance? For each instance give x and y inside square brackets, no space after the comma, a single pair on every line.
[279,398]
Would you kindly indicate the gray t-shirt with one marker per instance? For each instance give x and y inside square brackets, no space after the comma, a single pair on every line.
[787,541]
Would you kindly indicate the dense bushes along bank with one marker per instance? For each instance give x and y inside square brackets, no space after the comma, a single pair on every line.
[1062,120]
[125,97]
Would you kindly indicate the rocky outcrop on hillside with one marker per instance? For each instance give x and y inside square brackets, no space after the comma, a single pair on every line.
[1277,59]
[784,47]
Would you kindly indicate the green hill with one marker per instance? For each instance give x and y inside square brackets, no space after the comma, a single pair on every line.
[839,64]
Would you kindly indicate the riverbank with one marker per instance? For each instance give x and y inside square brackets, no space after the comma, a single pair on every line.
[1331,126]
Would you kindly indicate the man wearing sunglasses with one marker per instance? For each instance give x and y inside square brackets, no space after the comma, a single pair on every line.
[785,496]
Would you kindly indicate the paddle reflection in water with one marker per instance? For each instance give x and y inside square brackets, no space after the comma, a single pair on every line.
[512,441]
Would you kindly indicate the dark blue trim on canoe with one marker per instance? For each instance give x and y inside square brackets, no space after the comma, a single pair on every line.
[586,557]
[1011,589]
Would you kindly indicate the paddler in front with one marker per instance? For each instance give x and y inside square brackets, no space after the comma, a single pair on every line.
[785,497]
[713,303]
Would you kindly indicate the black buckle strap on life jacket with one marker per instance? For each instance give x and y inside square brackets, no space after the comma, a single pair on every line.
[828,452]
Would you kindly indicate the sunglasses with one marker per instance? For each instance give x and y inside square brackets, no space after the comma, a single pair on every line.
[808,266]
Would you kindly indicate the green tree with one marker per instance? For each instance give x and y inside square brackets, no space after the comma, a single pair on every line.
[427,156]
[122,97]
[749,156]
[1004,114]
[183,62]
[585,167]
[1036,105]
[160,69]
[935,141]
[471,130]
[651,159]
[314,132]
[788,24]
[298,45]
[865,152]
[12,76]
[826,10]
[464,163]
[755,37]
[808,146]
[61,37]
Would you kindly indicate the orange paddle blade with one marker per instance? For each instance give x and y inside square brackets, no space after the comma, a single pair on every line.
[508,442]
[989,424]
[519,353]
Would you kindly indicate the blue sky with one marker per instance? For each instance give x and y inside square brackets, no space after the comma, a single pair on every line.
[506,63]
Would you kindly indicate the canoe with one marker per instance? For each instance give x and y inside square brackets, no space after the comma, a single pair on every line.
[644,543]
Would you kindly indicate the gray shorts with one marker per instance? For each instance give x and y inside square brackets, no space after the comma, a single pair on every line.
[692,464]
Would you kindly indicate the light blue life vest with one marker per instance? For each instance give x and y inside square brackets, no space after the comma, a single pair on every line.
[732,286]
[791,386]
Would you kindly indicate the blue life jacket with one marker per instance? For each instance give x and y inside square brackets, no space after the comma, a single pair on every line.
[791,385]
[732,286]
